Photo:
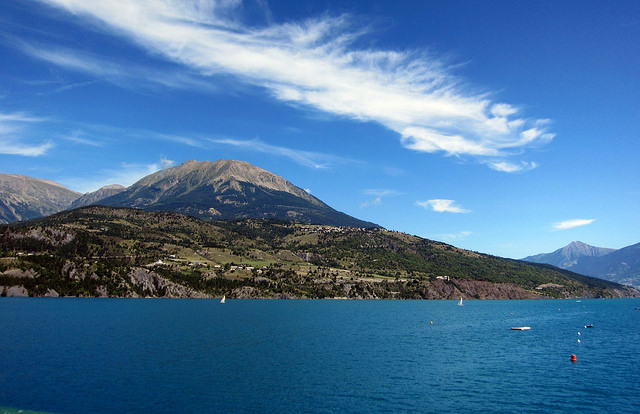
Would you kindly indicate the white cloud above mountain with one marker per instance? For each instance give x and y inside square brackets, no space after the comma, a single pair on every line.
[442,206]
[569,224]
[313,63]
[14,130]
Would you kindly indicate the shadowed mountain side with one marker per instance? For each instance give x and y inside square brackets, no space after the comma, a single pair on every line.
[621,266]
[224,190]
[95,197]
[569,255]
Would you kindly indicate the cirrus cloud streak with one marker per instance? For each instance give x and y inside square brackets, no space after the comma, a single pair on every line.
[569,224]
[14,128]
[314,63]
[442,206]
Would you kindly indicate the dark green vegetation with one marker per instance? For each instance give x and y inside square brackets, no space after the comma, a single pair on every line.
[105,251]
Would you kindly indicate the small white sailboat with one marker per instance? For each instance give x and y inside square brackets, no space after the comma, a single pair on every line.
[224,299]
[460,303]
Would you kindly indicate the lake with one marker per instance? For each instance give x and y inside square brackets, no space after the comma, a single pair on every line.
[77,355]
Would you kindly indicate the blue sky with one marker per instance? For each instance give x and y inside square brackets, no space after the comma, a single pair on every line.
[505,127]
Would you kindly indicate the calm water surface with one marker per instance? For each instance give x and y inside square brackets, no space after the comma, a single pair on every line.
[168,355]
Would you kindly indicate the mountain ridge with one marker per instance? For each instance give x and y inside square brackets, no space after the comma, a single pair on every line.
[621,266]
[25,198]
[616,265]
[98,195]
[210,190]
[567,256]
[228,189]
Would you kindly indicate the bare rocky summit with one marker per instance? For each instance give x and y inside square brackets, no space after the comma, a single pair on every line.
[568,256]
[24,198]
[228,189]
[220,190]
[620,266]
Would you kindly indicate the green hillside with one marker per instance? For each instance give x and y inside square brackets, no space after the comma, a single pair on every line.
[105,251]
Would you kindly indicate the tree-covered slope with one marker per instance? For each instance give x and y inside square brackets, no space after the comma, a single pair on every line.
[105,251]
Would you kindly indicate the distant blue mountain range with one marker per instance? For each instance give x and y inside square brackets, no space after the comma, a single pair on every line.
[621,266]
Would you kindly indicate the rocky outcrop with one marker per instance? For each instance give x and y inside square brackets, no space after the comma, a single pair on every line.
[20,274]
[151,284]
[13,291]
[478,289]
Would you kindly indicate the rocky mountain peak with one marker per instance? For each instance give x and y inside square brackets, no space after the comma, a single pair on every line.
[568,256]
[228,189]
[219,190]
[219,175]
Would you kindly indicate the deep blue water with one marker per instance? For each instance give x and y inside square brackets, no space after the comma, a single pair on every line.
[157,355]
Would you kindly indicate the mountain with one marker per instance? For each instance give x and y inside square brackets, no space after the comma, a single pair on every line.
[568,256]
[218,190]
[98,195]
[122,252]
[225,190]
[621,266]
[25,198]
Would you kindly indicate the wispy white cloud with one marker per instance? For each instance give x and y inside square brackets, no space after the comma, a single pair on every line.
[442,206]
[79,137]
[69,86]
[125,174]
[374,202]
[394,171]
[127,75]
[450,237]
[306,158]
[14,132]
[316,63]
[569,224]
[511,167]
[99,135]
[378,195]
[381,192]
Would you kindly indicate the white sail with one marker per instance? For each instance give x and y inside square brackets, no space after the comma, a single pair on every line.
[223,300]
[460,303]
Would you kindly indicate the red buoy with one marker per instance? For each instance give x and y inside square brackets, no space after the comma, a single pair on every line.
[573,358]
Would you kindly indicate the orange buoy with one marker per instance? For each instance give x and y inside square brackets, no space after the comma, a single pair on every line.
[573,358]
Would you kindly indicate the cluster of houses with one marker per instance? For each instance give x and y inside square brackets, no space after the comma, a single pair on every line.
[199,264]
[329,229]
